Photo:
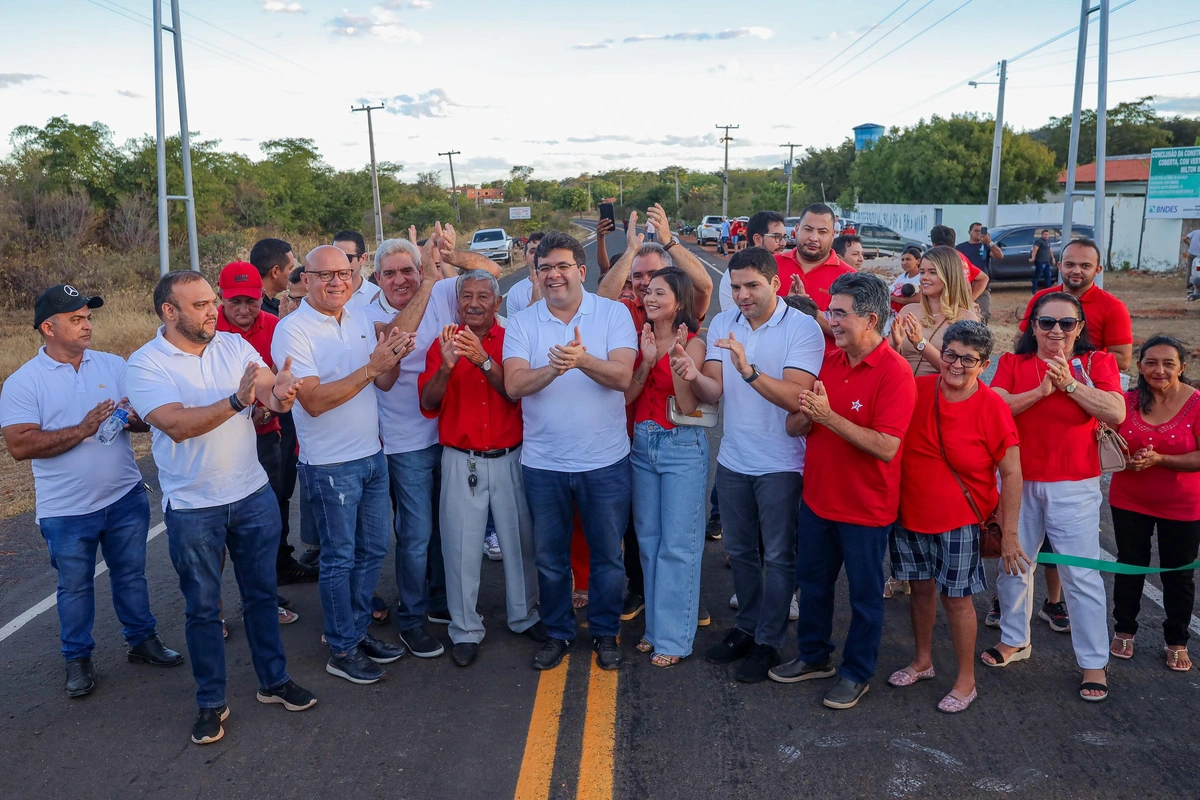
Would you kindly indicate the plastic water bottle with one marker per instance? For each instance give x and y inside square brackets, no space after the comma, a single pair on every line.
[114,424]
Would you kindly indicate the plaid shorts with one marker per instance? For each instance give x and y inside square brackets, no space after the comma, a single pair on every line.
[951,558]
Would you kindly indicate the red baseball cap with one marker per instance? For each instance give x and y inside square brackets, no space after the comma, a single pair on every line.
[240,279]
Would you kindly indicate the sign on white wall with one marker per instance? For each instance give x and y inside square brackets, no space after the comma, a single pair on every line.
[519,212]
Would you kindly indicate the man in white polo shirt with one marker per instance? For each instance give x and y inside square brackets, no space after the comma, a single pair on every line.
[195,386]
[88,495]
[570,356]
[761,354]
[336,355]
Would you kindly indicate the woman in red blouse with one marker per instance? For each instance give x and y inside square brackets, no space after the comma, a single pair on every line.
[670,470]
[1059,388]
[1160,488]
[958,424]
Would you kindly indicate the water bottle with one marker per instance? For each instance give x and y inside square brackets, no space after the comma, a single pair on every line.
[114,424]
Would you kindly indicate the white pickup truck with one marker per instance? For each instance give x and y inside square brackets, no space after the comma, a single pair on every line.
[495,243]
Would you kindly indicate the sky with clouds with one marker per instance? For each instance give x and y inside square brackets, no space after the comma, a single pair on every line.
[569,87]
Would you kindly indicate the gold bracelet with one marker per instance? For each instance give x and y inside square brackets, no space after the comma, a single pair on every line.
[366,374]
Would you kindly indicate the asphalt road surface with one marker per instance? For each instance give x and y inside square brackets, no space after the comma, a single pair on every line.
[500,729]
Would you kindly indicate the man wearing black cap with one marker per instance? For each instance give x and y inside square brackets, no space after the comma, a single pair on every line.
[89,494]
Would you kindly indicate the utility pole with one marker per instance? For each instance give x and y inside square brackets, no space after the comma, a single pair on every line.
[621,184]
[374,172]
[589,185]
[997,145]
[454,186]
[725,175]
[677,206]
[791,165]
[164,245]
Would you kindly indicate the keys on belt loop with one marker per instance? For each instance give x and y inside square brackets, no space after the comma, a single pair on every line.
[472,478]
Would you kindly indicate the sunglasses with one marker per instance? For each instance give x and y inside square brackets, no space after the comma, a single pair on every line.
[1067,324]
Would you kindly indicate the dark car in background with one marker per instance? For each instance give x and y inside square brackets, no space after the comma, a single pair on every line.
[1016,241]
[880,238]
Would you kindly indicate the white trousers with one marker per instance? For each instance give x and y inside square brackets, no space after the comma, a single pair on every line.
[1069,513]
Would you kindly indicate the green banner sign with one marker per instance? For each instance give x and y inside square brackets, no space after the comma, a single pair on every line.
[1174,189]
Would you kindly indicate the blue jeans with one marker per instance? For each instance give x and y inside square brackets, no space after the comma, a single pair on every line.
[420,570]
[119,531]
[824,546]
[754,509]
[670,473]
[249,529]
[349,502]
[602,497]
[1041,274]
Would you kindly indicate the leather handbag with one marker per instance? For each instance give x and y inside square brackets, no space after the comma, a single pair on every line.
[1114,450]
[705,415]
[990,527]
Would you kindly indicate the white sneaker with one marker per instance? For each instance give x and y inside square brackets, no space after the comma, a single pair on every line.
[733,603]
[491,547]
[794,610]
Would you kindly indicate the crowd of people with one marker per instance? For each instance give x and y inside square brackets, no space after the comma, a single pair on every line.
[568,440]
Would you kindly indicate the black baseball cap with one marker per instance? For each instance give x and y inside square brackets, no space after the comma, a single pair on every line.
[61,298]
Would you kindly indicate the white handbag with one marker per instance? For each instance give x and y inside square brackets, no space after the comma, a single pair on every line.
[705,415]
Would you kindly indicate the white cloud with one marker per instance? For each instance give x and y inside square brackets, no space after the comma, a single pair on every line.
[1187,104]
[699,36]
[380,23]
[416,5]
[282,7]
[433,103]
[607,43]
[16,78]
[130,94]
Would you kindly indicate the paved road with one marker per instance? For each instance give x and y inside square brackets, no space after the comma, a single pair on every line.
[500,729]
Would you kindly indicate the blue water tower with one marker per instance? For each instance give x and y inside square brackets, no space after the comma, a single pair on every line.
[866,134]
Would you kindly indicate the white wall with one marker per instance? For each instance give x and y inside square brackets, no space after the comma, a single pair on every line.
[1159,246]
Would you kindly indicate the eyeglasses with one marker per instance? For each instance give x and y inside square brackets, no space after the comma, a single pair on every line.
[968,362]
[545,269]
[292,298]
[1067,324]
[326,275]
[837,315]
[779,238]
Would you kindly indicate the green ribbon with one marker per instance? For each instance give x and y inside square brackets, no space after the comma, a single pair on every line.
[1108,566]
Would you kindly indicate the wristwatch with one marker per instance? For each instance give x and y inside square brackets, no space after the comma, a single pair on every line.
[671,243]
[753,375]
[921,345]
[1070,389]
[486,365]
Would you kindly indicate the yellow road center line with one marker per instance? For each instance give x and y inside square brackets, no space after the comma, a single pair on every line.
[542,740]
[599,732]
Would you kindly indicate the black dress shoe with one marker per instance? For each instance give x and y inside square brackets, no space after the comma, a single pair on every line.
[464,653]
[81,677]
[735,646]
[608,652]
[537,631]
[207,727]
[155,653]
[552,653]
[754,667]
[290,570]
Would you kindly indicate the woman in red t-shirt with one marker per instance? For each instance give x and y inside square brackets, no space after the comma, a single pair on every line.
[670,470]
[1160,488]
[1059,388]
[935,544]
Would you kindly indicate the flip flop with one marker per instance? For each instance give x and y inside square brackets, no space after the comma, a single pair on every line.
[1121,647]
[663,661]
[1020,655]
[1172,654]
[377,605]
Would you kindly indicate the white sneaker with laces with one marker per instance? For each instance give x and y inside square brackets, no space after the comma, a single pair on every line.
[794,610]
[491,547]
[287,617]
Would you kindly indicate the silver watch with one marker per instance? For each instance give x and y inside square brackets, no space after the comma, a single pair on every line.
[486,365]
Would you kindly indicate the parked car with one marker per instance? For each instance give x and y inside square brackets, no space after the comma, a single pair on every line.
[1017,243]
[495,243]
[882,238]
[709,230]
[791,223]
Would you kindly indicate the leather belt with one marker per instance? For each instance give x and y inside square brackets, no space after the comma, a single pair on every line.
[485,453]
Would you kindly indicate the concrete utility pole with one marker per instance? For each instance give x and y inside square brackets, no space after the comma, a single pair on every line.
[164,245]
[374,172]
[997,145]
[677,206]
[791,165]
[1098,195]
[453,186]
[725,175]
[621,184]
[589,185]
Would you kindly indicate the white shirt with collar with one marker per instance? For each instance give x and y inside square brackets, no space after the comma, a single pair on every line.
[53,396]
[322,346]
[403,427]
[574,424]
[221,466]
[518,297]
[755,441]
[363,295]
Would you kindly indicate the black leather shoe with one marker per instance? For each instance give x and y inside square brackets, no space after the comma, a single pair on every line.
[290,570]
[608,652]
[207,727]
[735,646]
[551,654]
[311,558]
[155,653]
[420,643]
[381,652]
[81,677]
[634,604]
[537,631]
[464,653]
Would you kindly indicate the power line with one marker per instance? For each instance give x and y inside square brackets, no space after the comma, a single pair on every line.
[877,41]
[928,28]
[1126,80]
[1123,38]
[1115,52]
[856,41]
[255,45]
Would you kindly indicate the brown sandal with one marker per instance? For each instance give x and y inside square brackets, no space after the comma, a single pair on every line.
[664,661]
[893,588]
[1121,647]
[1174,660]
[644,646]
[579,599]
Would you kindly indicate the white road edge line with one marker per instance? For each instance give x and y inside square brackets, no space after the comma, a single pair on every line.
[48,603]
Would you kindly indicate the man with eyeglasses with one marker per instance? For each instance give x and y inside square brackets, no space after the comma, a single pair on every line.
[336,355]
[569,358]
[855,419]
[765,229]
[355,247]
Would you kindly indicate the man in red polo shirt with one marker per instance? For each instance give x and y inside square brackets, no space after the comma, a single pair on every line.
[809,269]
[241,312]
[480,430]
[1107,318]
[855,418]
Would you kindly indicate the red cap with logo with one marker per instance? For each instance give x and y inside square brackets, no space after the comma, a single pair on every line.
[240,279]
